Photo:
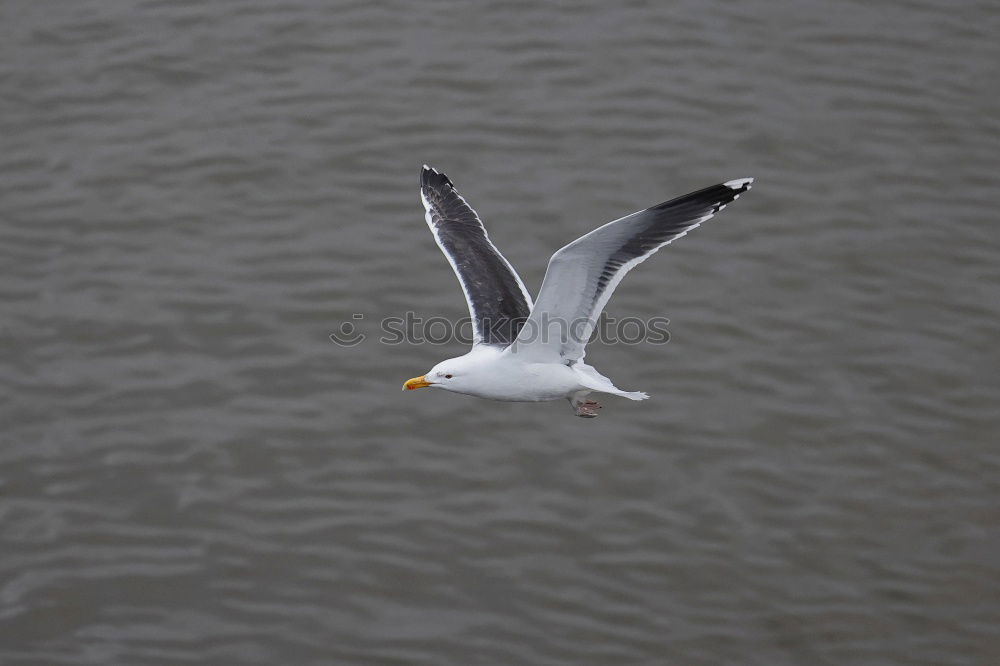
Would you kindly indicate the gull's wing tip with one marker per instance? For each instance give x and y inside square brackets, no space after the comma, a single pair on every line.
[431,177]
[740,185]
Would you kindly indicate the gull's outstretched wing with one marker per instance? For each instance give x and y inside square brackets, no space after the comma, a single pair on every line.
[581,277]
[498,302]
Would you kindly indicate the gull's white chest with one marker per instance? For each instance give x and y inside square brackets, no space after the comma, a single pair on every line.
[506,378]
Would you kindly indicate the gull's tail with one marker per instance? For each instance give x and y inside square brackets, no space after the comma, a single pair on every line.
[595,381]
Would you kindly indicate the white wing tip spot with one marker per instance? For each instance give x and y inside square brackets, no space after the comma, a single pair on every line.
[739,183]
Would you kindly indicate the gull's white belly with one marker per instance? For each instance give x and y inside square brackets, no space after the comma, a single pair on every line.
[523,382]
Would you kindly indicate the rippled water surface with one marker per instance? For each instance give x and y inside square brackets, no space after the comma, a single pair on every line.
[194,195]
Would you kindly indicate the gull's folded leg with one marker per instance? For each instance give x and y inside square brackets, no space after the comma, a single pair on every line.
[582,407]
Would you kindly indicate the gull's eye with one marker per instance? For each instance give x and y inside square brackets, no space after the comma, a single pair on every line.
[447,376]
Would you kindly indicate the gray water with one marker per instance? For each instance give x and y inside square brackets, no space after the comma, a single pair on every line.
[195,195]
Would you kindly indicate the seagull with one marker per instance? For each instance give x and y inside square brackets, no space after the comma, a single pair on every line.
[529,352]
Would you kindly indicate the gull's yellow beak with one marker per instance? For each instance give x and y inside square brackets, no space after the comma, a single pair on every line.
[415,383]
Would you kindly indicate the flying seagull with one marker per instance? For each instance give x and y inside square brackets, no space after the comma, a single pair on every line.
[527,353]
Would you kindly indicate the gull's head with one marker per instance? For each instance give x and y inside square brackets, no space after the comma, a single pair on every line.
[450,375]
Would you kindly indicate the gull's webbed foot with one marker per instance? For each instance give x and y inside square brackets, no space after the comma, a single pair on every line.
[586,409]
